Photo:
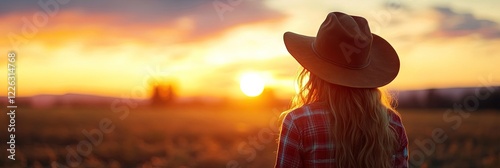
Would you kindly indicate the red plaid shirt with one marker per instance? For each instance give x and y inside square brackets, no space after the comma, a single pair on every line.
[305,142]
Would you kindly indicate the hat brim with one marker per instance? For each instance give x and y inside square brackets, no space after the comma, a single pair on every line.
[383,68]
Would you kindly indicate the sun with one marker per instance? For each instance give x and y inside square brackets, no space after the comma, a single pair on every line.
[252,84]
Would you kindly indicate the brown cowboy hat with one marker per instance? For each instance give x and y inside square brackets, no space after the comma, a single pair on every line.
[345,52]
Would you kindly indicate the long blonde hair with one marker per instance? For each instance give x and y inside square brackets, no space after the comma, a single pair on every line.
[361,129]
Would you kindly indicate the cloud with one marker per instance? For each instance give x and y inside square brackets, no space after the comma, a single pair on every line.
[452,24]
[199,15]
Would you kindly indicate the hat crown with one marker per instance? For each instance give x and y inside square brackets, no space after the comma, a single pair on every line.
[344,40]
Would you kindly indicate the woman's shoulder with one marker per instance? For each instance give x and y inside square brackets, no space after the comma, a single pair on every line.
[395,118]
[306,111]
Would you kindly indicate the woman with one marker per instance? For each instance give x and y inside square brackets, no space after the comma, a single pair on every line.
[340,118]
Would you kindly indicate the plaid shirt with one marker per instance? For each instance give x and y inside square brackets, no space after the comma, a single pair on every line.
[305,142]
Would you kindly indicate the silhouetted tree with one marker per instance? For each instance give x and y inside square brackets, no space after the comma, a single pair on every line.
[411,101]
[436,100]
[493,100]
[268,97]
[162,95]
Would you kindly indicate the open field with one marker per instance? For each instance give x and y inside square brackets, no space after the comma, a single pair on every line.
[219,137]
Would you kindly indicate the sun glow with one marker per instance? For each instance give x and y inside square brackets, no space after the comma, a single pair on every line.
[252,84]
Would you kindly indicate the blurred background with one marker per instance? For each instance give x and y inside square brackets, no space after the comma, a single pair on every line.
[200,83]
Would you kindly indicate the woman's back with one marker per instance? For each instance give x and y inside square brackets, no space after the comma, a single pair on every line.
[306,138]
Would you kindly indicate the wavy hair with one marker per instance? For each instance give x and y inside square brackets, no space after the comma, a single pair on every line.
[361,127]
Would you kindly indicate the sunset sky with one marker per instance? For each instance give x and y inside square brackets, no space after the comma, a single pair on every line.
[112,47]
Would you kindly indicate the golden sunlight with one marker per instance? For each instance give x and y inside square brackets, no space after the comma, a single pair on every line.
[252,84]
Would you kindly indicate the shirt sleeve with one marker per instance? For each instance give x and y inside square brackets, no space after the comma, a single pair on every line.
[289,145]
[401,156]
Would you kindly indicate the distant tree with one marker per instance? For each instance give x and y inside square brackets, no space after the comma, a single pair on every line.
[162,95]
[436,100]
[268,96]
[411,101]
[493,101]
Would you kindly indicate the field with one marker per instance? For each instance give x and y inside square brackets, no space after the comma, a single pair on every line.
[207,136]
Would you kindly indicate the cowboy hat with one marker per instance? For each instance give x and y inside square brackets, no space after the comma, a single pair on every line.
[345,52]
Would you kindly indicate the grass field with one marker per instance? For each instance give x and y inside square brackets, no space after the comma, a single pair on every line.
[219,137]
